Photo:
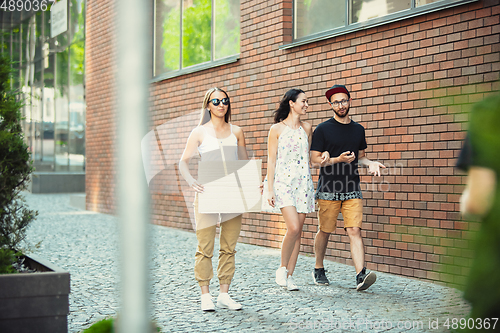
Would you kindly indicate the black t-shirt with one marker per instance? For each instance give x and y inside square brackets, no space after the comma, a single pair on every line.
[339,181]
[465,159]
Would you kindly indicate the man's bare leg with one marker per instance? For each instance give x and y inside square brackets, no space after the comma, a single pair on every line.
[363,279]
[320,244]
[357,248]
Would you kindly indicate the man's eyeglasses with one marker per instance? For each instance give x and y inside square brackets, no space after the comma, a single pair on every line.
[216,101]
[336,104]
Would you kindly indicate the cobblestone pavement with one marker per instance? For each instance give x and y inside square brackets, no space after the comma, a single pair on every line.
[86,244]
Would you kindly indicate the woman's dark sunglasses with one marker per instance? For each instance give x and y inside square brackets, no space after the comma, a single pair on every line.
[216,101]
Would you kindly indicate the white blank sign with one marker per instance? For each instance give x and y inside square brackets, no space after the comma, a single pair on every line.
[58,18]
[230,187]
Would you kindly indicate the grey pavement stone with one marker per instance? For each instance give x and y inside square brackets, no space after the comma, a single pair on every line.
[86,244]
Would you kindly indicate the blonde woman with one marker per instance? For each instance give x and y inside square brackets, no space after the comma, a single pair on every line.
[215,138]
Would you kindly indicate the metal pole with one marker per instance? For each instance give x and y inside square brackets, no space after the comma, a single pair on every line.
[54,164]
[133,71]
[42,87]
[68,127]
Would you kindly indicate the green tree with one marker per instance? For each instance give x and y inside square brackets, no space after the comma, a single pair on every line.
[196,33]
[171,38]
[73,39]
[227,28]
[78,37]
[15,164]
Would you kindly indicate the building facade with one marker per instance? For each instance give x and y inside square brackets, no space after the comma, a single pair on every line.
[48,53]
[414,68]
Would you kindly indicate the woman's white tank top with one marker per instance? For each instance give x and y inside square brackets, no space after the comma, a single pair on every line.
[212,148]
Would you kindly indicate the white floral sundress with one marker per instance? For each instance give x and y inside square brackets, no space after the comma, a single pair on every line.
[293,185]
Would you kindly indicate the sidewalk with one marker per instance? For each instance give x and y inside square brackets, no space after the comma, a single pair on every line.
[86,244]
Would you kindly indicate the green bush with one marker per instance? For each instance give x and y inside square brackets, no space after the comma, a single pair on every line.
[106,326]
[15,165]
[103,326]
[7,258]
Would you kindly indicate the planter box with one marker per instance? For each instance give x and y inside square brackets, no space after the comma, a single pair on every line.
[35,302]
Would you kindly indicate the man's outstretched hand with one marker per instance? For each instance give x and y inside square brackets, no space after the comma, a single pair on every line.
[374,168]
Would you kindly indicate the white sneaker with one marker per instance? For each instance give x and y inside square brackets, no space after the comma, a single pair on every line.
[206,302]
[290,285]
[281,274]
[226,302]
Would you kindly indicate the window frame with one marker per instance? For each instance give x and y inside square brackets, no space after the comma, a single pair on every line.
[413,11]
[193,68]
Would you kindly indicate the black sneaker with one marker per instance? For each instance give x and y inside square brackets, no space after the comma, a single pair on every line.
[320,277]
[365,280]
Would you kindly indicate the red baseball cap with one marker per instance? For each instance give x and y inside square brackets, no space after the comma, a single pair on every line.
[338,88]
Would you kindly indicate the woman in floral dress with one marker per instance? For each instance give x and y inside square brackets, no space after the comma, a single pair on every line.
[288,187]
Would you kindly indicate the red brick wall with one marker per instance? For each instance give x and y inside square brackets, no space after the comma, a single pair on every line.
[100,131]
[412,82]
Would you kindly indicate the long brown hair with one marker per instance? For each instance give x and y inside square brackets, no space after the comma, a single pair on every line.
[205,114]
[284,108]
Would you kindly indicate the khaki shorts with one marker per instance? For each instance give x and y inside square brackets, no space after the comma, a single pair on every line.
[352,211]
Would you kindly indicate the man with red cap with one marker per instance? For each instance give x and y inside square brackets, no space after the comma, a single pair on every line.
[339,184]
